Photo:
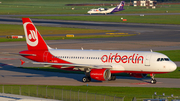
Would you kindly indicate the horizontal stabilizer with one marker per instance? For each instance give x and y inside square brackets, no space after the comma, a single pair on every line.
[18,54]
[28,54]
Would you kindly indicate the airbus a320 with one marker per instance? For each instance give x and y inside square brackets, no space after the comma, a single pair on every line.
[97,64]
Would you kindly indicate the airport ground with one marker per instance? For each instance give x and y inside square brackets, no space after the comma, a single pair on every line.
[148,36]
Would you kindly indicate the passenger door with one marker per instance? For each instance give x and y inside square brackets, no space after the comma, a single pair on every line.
[147,60]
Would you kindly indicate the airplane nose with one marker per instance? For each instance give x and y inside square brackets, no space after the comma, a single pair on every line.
[173,66]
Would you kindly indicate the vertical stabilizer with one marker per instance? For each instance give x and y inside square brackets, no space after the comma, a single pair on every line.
[33,39]
[119,7]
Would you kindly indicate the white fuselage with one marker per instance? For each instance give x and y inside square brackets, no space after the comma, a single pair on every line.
[96,11]
[122,61]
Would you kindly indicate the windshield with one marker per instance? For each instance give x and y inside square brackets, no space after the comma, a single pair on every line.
[163,59]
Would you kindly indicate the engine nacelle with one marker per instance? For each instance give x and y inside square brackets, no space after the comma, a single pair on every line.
[137,75]
[100,74]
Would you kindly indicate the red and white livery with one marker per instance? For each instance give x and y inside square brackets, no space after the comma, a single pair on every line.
[97,64]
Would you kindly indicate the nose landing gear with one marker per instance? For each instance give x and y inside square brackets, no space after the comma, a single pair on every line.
[153,81]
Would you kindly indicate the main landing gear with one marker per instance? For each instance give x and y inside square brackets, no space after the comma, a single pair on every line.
[153,81]
[112,78]
[86,79]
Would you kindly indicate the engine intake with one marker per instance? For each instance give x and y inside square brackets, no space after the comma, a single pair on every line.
[100,74]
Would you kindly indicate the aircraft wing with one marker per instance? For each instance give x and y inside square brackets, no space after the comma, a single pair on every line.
[65,65]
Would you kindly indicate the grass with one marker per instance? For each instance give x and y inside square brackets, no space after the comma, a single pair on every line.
[174,74]
[151,19]
[174,55]
[63,37]
[7,29]
[128,92]
[14,7]
[54,33]
[58,7]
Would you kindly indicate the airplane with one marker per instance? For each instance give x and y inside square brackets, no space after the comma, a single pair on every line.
[107,11]
[97,64]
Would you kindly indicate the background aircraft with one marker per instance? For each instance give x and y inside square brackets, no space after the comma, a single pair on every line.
[106,11]
[97,64]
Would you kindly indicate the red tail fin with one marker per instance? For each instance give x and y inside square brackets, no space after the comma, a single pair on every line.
[33,39]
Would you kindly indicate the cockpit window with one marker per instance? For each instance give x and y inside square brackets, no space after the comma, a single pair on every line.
[163,59]
[158,59]
[166,59]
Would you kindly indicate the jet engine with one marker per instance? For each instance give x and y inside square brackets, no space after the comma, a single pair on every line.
[100,74]
[138,75]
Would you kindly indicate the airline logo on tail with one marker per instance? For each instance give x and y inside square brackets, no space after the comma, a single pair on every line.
[31,34]
[33,39]
[121,5]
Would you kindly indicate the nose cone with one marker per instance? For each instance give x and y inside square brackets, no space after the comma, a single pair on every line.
[172,66]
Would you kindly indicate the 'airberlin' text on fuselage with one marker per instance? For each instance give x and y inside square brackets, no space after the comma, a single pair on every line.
[134,58]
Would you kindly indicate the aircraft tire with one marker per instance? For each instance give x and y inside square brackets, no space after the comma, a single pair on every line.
[84,79]
[113,77]
[153,81]
[89,79]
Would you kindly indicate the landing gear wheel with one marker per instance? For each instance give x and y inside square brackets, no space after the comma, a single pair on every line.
[112,78]
[153,81]
[86,79]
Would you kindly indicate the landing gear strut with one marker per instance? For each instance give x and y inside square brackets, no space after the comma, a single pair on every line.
[153,81]
[112,78]
[87,78]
